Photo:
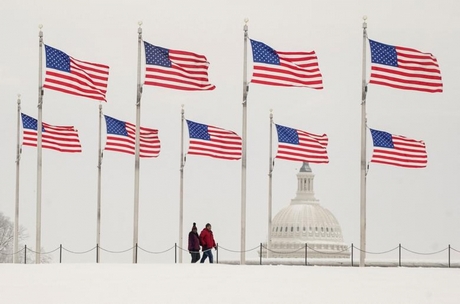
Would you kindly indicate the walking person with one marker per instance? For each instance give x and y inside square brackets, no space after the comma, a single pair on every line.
[207,243]
[194,244]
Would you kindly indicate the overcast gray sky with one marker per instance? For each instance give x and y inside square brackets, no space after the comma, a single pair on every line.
[418,208]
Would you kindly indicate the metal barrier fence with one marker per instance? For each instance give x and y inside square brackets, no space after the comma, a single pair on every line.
[342,262]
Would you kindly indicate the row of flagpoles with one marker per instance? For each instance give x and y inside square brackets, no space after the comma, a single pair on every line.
[392,66]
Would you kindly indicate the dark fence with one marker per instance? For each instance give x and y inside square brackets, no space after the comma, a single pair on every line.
[173,250]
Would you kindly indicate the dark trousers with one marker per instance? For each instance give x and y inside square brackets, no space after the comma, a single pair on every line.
[195,256]
[207,253]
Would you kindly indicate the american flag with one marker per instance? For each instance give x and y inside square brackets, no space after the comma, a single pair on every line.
[214,142]
[404,68]
[69,75]
[297,145]
[121,137]
[398,150]
[290,69]
[173,69]
[59,138]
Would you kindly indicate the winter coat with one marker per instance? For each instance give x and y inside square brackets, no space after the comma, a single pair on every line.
[207,239]
[193,241]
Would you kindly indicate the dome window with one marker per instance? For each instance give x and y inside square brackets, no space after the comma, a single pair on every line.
[298,229]
[285,229]
[276,229]
[304,229]
[322,229]
[292,229]
[327,229]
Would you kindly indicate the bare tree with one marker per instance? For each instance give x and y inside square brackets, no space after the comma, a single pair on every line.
[6,243]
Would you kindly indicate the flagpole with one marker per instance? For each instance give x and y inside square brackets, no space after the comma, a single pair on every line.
[243,156]
[137,150]
[99,177]
[39,149]
[362,255]
[181,193]
[16,211]
[270,182]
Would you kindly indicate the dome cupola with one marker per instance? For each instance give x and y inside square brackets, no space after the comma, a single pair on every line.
[305,221]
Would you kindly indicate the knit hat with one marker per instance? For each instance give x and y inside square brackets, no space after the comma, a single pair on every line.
[194,226]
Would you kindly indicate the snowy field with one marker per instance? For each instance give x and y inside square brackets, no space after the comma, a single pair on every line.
[218,283]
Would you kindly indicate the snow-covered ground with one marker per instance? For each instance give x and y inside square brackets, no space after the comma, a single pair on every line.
[219,283]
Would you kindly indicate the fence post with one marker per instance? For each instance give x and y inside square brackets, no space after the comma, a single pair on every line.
[306,263]
[175,253]
[260,254]
[25,254]
[449,255]
[217,253]
[399,254]
[351,254]
[60,253]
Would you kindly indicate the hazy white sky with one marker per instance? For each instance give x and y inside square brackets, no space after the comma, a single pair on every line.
[418,208]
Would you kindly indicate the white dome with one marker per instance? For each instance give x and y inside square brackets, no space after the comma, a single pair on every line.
[306,223]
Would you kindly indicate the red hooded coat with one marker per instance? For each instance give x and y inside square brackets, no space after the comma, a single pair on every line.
[207,239]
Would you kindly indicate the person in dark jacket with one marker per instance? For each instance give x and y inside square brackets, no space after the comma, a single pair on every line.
[194,244]
[207,243]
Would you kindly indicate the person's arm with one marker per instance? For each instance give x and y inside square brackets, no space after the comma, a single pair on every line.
[202,242]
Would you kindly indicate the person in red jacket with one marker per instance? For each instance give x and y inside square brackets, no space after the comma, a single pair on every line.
[207,243]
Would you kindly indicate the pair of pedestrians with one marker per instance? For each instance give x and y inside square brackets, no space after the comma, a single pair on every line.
[205,240]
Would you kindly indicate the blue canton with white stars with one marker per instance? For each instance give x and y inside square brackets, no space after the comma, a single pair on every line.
[115,126]
[287,135]
[56,59]
[156,55]
[383,53]
[29,122]
[382,139]
[263,53]
[197,130]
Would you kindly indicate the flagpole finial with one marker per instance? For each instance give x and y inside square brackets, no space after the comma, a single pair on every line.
[139,30]
[246,20]
[364,21]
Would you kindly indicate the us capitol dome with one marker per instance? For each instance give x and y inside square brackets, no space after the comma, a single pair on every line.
[305,221]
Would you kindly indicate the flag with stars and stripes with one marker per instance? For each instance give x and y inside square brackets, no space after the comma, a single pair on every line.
[69,75]
[59,138]
[121,137]
[173,69]
[297,145]
[214,142]
[404,68]
[398,150]
[290,69]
